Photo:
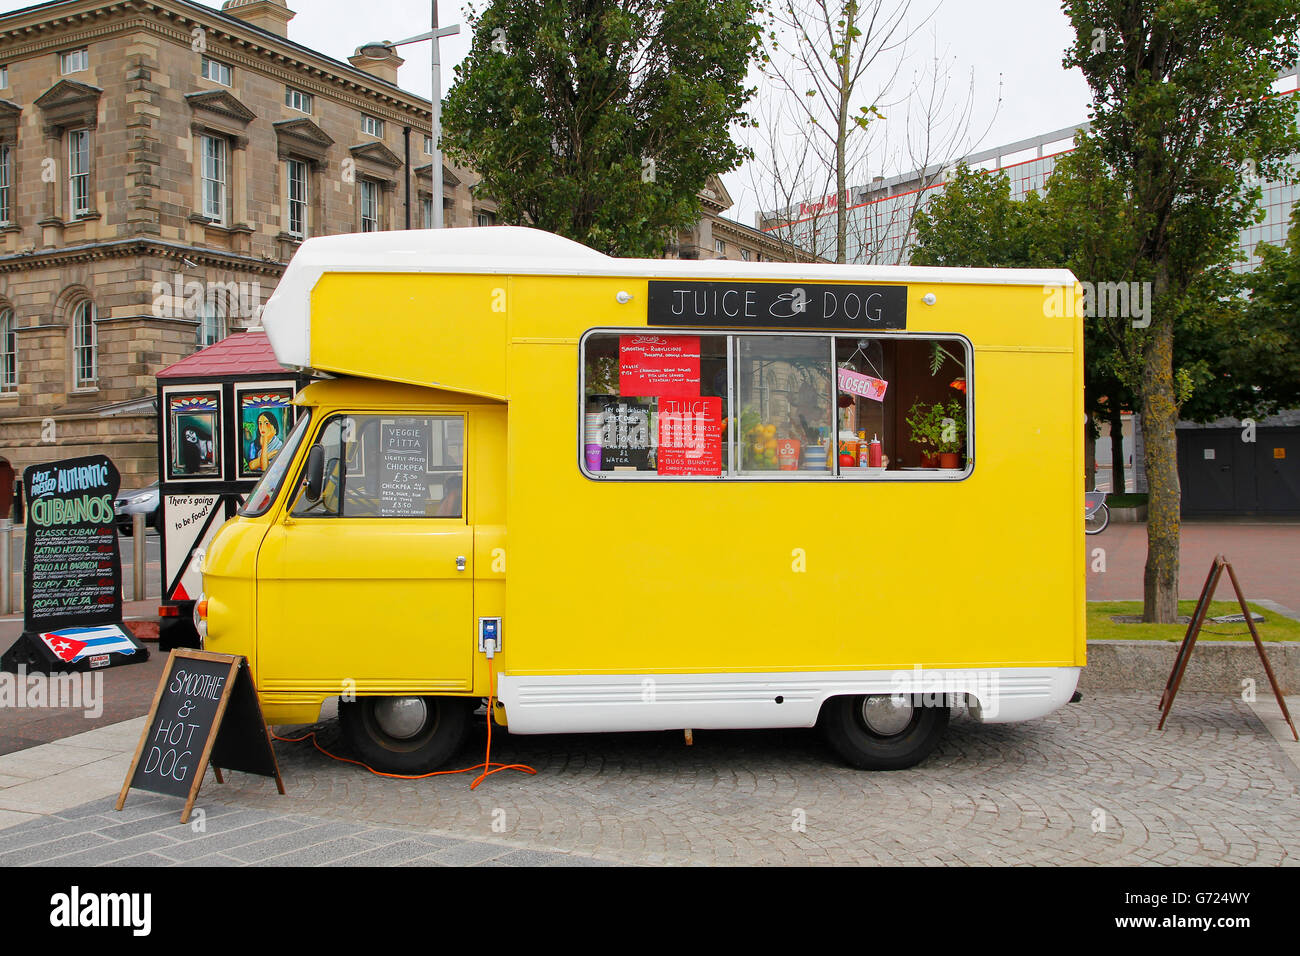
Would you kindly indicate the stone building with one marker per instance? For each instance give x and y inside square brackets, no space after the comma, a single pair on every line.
[160,161]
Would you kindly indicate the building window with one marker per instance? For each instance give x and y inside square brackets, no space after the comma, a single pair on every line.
[212,324]
[719,247]
[84,345]
[79,172]
[428,146]
[215,168]
[426,212]
[369,206]
[372,126]
[296,178]
[216,71]
[744,254]
[8,352]
[297,99]
[6,185]
[74,61]
[4,77]
[486,219]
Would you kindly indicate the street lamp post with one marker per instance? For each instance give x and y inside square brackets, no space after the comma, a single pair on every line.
[436,34]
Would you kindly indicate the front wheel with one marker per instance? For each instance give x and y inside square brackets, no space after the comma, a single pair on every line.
[883,731]
[405,735]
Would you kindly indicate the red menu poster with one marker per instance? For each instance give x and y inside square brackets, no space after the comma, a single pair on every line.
[664,365]
[690,436]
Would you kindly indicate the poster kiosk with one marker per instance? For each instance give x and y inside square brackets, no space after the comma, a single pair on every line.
[223,414]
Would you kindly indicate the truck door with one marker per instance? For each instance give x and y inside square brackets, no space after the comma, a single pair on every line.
[373,583]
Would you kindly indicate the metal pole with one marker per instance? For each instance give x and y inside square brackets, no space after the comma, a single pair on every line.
[6,572]
[436,115]
[138,543]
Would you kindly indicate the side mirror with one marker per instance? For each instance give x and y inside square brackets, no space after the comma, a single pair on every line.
[314,481]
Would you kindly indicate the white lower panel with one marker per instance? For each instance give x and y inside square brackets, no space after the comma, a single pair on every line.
[592,703]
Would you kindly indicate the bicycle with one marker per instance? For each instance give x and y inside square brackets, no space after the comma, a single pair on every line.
[1096,516]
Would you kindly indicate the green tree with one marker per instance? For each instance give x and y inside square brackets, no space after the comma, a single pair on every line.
[1181,105]
[1253,367]
[976,223]
[601,120]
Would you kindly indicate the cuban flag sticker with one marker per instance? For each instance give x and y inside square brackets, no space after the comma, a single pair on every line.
[71,644]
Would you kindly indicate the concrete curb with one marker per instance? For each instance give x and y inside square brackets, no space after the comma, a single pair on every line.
[1215,667]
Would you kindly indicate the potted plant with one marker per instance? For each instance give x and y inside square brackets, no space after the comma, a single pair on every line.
[952,432]
[925,421]
[940,429]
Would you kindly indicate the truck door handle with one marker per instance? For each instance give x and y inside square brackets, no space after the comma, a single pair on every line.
[460,562]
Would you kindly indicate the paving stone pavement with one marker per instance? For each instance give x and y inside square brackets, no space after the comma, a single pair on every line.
[1094,783]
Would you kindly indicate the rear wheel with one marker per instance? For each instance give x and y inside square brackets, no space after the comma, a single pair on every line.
[406,735]
[1099,520]
[883,731]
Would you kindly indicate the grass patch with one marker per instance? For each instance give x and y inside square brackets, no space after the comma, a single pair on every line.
[1275,627]
[1125,501]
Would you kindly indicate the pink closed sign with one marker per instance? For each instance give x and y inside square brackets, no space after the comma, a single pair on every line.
[855,383]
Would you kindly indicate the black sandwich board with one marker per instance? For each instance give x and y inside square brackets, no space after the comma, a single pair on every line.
[72,571]
[204,711]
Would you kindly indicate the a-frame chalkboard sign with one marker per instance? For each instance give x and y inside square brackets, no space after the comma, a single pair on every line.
[204,711]
[1217,568]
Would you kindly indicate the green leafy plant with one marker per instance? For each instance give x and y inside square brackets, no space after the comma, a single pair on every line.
[938,427]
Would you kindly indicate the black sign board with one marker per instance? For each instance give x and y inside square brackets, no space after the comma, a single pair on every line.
[72,575]
[73,572]
[204,711]
[404,463]
[625,435]
[778,305]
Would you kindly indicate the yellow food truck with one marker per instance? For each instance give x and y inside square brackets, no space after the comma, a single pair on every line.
[659,495]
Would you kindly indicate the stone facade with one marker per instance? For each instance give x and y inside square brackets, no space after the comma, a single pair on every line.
[163,162]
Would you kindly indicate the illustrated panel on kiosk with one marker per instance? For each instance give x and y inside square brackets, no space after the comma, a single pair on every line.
[193,434]
[265,417]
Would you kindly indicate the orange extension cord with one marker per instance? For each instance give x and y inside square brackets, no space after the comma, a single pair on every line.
[487,766]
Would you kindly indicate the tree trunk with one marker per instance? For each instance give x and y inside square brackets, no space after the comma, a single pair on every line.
[1159,418]
[1118,482]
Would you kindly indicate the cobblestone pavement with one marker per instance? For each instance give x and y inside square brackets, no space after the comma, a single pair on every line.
[1092,783]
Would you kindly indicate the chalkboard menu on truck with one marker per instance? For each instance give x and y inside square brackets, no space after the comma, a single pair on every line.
[205,710]
[73,570]
[403,468]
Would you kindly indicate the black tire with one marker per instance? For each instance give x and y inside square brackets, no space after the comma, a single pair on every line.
[848,730]
[432,740]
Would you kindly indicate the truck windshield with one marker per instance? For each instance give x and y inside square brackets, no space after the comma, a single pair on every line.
[264,492]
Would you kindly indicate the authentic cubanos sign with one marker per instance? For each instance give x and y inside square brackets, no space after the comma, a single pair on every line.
[72,574]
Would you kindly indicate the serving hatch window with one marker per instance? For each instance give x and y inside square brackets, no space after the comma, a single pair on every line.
[806,405]
[390,466]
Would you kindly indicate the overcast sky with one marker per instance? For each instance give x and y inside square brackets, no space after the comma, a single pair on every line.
[1016,42]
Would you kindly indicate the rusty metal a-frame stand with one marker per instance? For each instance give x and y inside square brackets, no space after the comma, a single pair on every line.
[1193,629]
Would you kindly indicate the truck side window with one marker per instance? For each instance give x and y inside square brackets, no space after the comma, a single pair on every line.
[390,466]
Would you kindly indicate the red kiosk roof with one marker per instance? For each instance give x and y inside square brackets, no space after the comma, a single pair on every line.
[243,353]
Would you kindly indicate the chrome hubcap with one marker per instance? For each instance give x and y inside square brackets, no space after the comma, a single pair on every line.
[887,714]
[401,717]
